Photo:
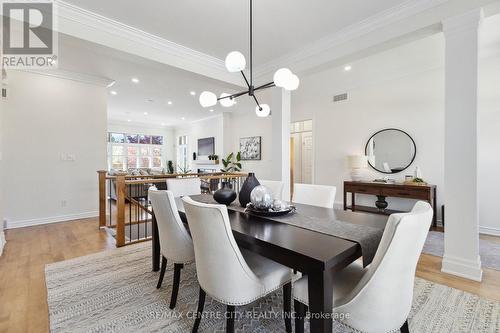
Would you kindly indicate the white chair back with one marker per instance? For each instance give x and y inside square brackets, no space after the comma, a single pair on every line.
[175,242]
[222,271]
[275,186]
[184,186]
[382,299]
[314,195]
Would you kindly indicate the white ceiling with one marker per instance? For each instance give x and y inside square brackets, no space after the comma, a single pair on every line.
[216,27]
[161,83]
[158,82]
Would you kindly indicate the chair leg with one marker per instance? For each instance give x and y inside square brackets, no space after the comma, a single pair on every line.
[199,312]
[230,319]
[175,287]
[162,271]
[404,328]
[300,313]
[287,305]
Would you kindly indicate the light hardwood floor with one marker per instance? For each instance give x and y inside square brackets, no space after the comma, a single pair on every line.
[23,305]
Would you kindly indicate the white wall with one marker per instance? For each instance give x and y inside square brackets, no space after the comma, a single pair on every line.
[489,145]
[167,133]
[246,124]
[392,89]
[385,91]
[45,118]
[2,234]
[209,127]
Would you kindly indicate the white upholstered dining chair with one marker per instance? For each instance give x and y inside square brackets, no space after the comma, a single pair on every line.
[314,195]
[184,186]
[227,274]
[378,298]
[175,242]
[275,186]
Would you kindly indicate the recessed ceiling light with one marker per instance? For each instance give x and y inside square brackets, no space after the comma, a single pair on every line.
[169,102]
[149,100]
[347,68]
[183,118]
[129,120]
[192,93]
[112,92]
[135,80]
[211,110]
[145,113]
[112,83]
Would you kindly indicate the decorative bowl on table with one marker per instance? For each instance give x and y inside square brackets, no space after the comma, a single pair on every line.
[277,208]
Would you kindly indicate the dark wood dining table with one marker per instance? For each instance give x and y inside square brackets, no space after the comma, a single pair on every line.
[315,254]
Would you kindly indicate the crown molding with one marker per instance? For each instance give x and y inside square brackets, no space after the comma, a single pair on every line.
[84,24]
[74,76]
[118,122]
[357,30]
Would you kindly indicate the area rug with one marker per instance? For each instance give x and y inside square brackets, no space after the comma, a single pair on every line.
[488,250]
[115,291]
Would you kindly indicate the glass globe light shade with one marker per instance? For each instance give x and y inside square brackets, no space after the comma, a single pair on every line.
[281,77]
[226,102]
[263,111]
[261,197]
[235,62]
[293,83]
[207,99]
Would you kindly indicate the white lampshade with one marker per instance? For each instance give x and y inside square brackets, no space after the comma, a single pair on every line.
[263,111]
[207,99]
[282,76]
[357,161]
[235,61]
[292,83]
[226,102]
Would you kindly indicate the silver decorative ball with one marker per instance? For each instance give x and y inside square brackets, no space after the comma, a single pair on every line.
[261,197]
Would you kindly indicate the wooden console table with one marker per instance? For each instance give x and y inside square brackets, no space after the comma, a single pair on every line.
[383,190]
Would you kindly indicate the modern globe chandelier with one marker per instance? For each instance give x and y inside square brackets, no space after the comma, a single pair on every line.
[235,62]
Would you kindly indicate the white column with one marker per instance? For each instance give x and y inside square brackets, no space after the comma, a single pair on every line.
[461,238]
[280,113]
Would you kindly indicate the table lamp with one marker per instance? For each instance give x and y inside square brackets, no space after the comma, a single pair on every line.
[358,165]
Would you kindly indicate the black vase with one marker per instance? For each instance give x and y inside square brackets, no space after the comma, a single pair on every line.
[250,183]
[225,195]
[381,203]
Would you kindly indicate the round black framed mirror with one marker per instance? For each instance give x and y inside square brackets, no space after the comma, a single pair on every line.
[390,150]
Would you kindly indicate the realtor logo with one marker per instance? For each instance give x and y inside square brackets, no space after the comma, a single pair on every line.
[28,34]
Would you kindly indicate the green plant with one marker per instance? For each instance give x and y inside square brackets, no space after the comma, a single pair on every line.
[232,163]
[170,167]
[184,170]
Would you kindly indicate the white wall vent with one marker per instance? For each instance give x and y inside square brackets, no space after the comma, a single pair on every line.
[340,97]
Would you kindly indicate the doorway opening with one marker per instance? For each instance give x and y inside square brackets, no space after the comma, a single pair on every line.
[301,153]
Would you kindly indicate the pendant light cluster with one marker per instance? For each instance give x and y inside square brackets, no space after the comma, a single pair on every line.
[236,62]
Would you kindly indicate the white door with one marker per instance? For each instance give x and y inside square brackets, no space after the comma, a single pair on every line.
[307,158]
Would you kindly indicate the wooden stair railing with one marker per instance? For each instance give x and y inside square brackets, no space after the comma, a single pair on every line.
[124,209]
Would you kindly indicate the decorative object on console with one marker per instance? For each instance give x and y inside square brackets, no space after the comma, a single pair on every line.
[358,165]
[225,195]
[250,148]
[170,167]
[261,197]
[246,189]
[390,151]
[235,62]
[232,163]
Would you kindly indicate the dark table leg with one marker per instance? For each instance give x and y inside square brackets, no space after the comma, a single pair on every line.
[156,245]
[353,201]
[345,200]
[320,287]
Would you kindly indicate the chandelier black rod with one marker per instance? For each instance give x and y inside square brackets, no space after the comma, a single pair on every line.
[251,46]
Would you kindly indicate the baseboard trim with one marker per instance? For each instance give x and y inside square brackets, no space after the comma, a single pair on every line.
[469,269]
[52,219]
[489,231]
[2,242]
